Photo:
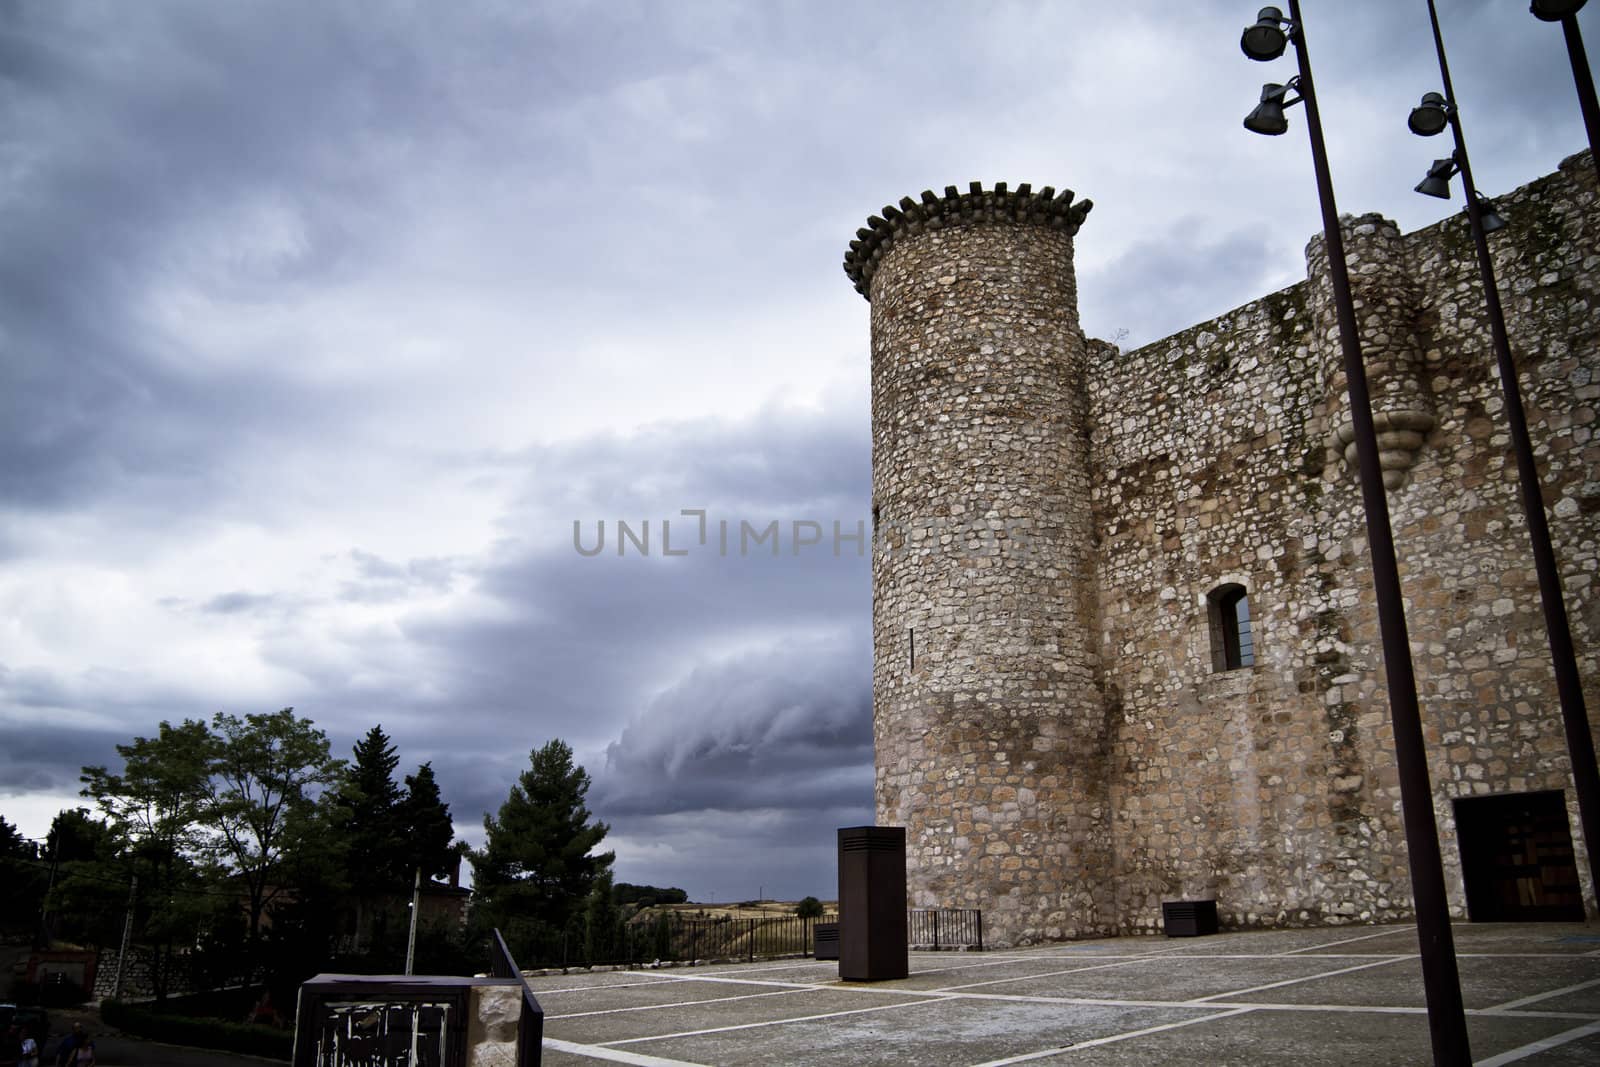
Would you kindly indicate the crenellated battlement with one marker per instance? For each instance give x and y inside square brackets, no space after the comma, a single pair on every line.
[955,208]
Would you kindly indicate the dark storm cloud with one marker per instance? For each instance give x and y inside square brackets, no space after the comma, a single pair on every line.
[49,758]
[788,727]
[586,642]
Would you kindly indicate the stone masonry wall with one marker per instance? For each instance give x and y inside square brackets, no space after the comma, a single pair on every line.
[1217,458]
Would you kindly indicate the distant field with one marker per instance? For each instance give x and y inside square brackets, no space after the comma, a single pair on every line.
[762,909]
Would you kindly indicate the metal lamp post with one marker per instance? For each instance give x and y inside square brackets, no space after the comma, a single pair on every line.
[1429,118]
[1566,13]
[1266,40]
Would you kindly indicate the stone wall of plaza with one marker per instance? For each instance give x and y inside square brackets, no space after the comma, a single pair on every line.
[1065,751]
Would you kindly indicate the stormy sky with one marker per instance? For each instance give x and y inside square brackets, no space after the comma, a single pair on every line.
[323,323]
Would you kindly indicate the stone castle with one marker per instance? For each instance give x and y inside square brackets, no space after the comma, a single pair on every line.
[1126,644]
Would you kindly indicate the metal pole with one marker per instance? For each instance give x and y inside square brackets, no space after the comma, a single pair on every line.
[1441,982]
[1569,686]
[416,905]
[1584,79]
[127,937]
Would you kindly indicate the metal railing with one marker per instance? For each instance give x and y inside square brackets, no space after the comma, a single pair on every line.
[674,938]
[530,1026]
[945,928]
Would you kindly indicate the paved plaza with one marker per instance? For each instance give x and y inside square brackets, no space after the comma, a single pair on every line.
[1348,996]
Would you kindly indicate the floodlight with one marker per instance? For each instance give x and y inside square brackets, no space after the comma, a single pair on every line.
[1437,183]
[1429,117]
[1554,10]
[1268,117]
[1265,40]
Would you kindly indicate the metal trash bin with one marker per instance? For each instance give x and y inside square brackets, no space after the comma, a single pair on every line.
[1188,918]
[826,944]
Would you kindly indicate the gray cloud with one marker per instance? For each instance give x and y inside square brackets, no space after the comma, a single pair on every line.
[788,727]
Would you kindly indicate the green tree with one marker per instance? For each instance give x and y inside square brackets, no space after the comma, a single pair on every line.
[89,873]
[538,863]
[388,834]
[809,908]
[266,772]
[648,896]
[366,807]
[429,831]
[156,802]
[369,798]
[152,811]
[22,881]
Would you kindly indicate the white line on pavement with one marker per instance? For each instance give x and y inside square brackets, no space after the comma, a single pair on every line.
[1111,1039]
[614,1055]
[1542,1045]
[1296,981]
[677,1004]
[772,1022]
[1543,996]
[1345,941]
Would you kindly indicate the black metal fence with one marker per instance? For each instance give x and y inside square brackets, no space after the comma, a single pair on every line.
[672,937]
[945,928]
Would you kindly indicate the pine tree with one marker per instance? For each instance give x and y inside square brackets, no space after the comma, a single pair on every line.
[538,863]
[368,804]
[428,830]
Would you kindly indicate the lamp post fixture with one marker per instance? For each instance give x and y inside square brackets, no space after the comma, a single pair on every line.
[1426,121]
[1566,13]
[1266,40]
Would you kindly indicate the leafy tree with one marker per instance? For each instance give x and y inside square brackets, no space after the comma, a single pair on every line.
[265,772]
[156,802]
[809,908]
[538,863]
[152,811]
[22,880]
[12,843]
[648,896]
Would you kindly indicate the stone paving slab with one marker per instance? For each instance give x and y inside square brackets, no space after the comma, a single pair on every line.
[1339,997]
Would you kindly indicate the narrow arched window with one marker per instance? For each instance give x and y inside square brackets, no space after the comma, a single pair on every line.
[1232,642]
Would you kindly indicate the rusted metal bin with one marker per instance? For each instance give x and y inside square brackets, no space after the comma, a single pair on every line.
[873,946]
[1188,918]
[827,941]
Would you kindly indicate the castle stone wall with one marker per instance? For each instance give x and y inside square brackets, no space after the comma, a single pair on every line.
[1218,458]
[1052,513]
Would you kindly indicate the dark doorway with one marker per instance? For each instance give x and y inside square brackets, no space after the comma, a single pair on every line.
[1516,858]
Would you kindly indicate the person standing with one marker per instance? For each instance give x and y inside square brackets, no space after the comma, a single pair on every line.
[76,1049]
[30,1050]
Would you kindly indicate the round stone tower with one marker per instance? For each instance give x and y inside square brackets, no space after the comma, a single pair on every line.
[991,740]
